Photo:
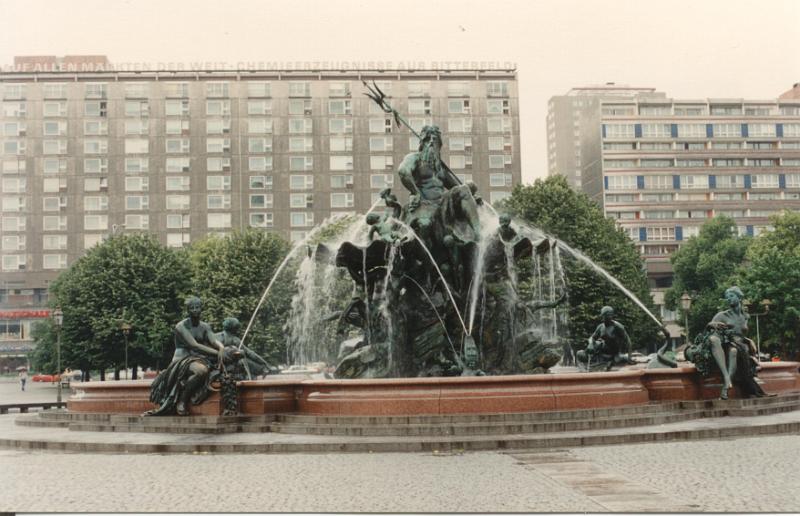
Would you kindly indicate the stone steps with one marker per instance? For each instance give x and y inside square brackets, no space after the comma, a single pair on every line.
[487,428]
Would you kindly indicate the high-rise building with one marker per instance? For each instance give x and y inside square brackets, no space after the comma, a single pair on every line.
[669,165]
[573,133]
[181,154]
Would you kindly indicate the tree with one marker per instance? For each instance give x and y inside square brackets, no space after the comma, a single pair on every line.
[44,358]
[704,267]
[230,275]
[128,278]
[560,211]
[773,272]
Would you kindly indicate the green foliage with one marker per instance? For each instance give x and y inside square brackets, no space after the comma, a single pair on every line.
[128,278]
[704,267]
[44,357]
[573,218]
[773,272]
[230,275]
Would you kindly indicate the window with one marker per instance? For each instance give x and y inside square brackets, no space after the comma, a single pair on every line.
[53,203]
[692,130]
[15,243]
[178,202]
[219,220]
[259,107]
[176,89]
[218,164]
[656,130]
[340,125]
[259,163]
[95,222]
[95,184]
[261,201]
[419,107]
[259,126]
[177,183]
[497,89]
[661,233]
[341,180]
[380,125]
[498,124]
[216,126]
[658,214]
[342,200]
[301,163]
[137,221]
[722,109]
[340,107]
[258,145]
[218,183]
[380,143]
[649,146]
[137,108]
[95,90]
[95,108]
[54,261]
[261,220]
[178,126]
[260,182]
[497,107]
[136,90]
[761,162]
[54,109]
[217,89]
[499,160]
[90,127]
[14,109]
[95,203]
[258,89]
[616,182]
[17,147]
[757,130]
[137,202]
[176,108]
[178,221]
[736,181]
[218,201]
[418,123]
[620,131]
[459,125]
[55,165]
[299,219]
[458,107]
[727,162]
[135,127]
[341,162]
[176,164]
[611,198]
[459,162]
[694,181]
[14,185]
[419,88]
[301,182]
[499,180]
[341,143]
[792,180]
[13,223]
[54,222]
[218,145]
[177,239]
[381,162]
[791,130]
[764,180]
[496,143]
[52,128]
[13,262]
[300,107]
[300,125]
[690,163]
[54,90]
[656,163]
[728,130]
[12,203]
[137,146]
[299,89]
[218,107]
[54,184]
[136,184]
[689,110]
[55,146]
[301,144]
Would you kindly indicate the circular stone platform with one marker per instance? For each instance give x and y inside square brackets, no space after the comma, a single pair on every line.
[431,396]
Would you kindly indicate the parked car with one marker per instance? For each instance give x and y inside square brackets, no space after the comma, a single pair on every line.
[44,378]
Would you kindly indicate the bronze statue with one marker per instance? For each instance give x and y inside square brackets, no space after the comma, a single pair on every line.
[608,346]
[253,363]
[186,379]
[723,344]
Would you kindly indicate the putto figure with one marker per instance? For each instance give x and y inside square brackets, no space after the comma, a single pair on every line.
[608,346]
[723,344]
[186,379]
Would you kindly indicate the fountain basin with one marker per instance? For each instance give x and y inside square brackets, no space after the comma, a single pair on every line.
[460,395]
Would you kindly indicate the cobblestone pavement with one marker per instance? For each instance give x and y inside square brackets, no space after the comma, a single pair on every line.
[746,474]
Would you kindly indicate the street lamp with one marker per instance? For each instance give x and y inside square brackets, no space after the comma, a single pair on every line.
[686,304]
[58,319]
[126,330]
[766,303]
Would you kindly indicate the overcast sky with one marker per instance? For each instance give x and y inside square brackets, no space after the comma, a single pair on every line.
[688,49]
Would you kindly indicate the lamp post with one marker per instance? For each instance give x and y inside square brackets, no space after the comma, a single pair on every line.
[58,319]
[126,331]
[766,303]
[686,304]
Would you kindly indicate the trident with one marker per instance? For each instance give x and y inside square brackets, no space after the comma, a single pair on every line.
[379,97]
